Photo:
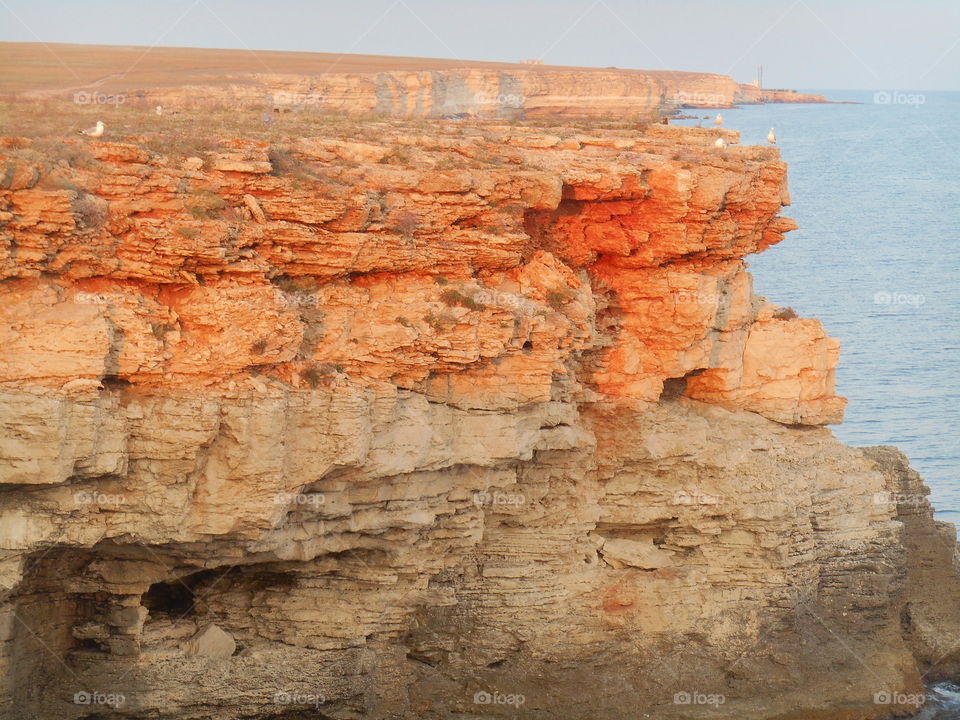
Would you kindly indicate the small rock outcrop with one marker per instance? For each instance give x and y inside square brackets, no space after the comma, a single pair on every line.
[210,642]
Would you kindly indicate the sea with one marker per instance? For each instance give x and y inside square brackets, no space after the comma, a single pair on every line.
[875,188]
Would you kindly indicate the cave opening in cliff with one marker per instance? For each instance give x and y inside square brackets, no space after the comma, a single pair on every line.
[114,382]
[674,387]
[178,596]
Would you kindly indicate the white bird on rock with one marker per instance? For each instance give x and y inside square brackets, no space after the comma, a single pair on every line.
[94,131]
[771,138]
[159,110]
[718,120]
[720,143]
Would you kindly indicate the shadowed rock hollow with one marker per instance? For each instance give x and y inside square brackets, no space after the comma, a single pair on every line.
[468,421]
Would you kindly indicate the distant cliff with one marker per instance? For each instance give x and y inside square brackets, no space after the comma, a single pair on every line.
[506,94]
[360,84]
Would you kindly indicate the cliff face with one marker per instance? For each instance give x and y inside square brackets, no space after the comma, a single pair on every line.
[483,421]
[480,92]
[178,78]
[477,92]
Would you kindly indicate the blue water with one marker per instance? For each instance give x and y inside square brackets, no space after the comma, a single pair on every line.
[876,191]
[942,702]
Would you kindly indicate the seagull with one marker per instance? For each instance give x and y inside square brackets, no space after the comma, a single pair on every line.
[94,131]
[159,110]
[720,143]
[718,120]
[771,138]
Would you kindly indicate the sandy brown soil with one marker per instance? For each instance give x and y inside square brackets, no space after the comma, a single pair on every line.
[32,67]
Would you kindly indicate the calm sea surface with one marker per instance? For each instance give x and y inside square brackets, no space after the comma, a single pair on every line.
[876,190]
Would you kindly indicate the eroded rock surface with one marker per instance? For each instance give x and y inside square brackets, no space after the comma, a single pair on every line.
[485,422]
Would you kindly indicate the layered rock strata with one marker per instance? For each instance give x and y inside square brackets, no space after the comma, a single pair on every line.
[485,421]
[484,93]
[178,78]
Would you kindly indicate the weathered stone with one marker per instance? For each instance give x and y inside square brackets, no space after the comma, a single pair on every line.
[254,207]
[210,642]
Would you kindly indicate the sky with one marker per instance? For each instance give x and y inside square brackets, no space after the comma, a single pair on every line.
[802,44]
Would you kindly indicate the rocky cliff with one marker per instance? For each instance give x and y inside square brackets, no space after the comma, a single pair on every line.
[420,422]
[178,78]
[508,93]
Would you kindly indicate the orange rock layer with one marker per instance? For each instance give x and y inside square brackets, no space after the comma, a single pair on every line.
[474,265]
